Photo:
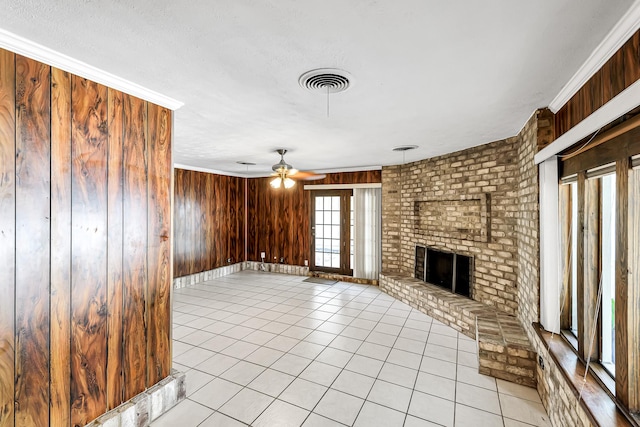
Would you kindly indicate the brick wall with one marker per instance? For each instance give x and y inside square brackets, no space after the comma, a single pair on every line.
[557,396]
[391,219]
[464,202]
[507,258]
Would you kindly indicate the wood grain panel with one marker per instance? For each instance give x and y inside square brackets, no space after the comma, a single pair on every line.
[631,50]
[115,375]
[580,251]
[209,221]
[179,242]
[7,236]
[617,62]
[89,251]
[634,289]
[278,219]
[60,367]
[207,234]
[61,245]
[135,246]
[617,74]
[210,215]
[211,203]
[33,103]
[253,252]
[159,246]
[622,283]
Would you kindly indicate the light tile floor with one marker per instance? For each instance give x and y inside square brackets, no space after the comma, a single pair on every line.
[268,349]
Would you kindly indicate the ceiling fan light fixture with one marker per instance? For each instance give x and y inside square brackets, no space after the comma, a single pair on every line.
[276,182]
[288,182]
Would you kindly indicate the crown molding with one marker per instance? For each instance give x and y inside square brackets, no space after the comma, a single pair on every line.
[618,36]
[207,170]
[22,46]
[268,174]
[621,104]
[341,186]
[349,169]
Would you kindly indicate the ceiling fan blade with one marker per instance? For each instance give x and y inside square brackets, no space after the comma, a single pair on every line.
[308,176]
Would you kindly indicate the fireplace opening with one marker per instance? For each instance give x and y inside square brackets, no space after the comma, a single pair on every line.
[448,270]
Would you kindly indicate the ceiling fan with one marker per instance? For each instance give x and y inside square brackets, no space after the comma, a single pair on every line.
[285,173]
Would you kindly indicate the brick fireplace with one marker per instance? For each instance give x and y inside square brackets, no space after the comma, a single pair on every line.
[463,203]
[478,205]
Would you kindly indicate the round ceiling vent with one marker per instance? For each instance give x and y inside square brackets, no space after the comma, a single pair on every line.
[326,80]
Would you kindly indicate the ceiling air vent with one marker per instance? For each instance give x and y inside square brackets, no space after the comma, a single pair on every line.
[326,80]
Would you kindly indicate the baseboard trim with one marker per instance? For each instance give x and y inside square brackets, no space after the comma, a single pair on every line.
[146,407]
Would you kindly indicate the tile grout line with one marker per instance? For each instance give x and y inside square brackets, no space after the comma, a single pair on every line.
[302,300]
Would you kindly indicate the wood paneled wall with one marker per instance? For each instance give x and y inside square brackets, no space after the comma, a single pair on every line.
[85,181]
[278,219]
[208,221]
[617,74]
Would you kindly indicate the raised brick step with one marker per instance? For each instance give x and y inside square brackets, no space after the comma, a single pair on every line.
[504,350]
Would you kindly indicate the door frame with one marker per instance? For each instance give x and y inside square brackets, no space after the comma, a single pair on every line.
[345,231]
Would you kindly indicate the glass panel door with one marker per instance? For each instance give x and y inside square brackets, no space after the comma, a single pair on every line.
[330,231]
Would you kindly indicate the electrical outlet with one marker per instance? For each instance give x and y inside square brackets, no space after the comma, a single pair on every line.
[306,262]
[281,260]
[263,255]
[229,260]
[541,362]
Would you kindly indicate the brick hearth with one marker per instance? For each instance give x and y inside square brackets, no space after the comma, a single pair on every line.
[504,350]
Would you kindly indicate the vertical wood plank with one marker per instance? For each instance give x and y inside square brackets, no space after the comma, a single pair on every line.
[631,51]
[7,236]
[580,251]
[234,232]
[194,219]
[159,246]
[622,282]
[33,157]
[208,201]
[60,248]
[594,93]
[135,246]
[617,73]
[592,268]
[115,379]
[633,278]
[241,209]
[253,253]
[89,250]
[179,218]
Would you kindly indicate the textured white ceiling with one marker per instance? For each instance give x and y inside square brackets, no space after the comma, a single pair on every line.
[443,75]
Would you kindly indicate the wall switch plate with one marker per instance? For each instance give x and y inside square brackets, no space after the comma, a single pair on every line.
[263,255]
[306,262]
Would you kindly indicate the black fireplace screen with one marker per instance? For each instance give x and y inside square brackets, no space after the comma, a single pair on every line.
[448,270]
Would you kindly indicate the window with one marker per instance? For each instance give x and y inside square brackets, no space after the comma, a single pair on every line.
[608,273]
[590,316]
[599,223]
[331,231]
[569,230]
